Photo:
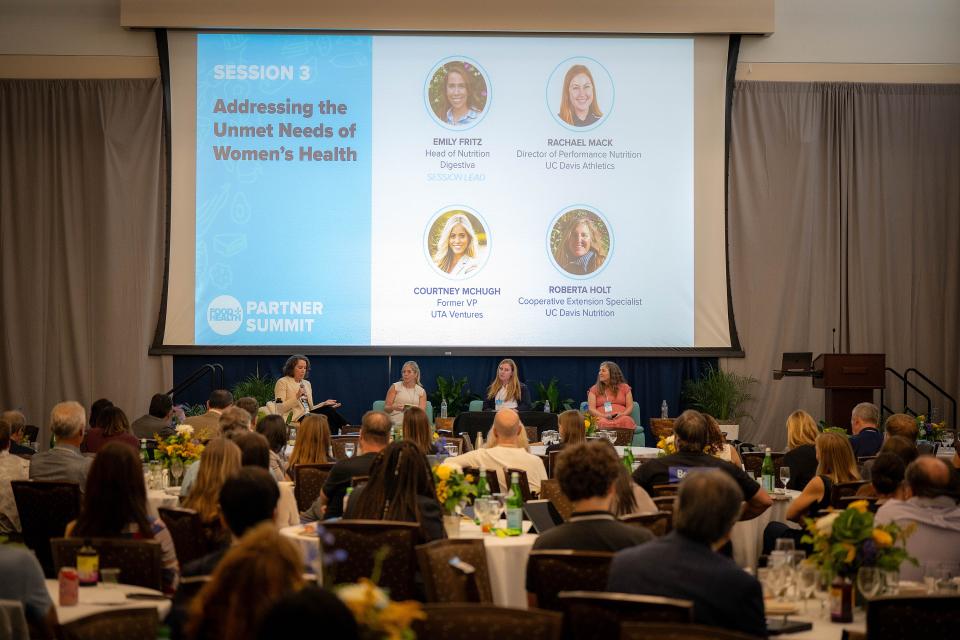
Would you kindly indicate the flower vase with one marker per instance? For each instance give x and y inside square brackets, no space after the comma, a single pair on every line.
[451,524]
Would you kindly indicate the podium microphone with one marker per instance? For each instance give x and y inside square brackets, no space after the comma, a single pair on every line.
[834,340]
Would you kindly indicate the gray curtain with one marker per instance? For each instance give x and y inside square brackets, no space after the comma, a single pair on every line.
[844,212]
[82,202]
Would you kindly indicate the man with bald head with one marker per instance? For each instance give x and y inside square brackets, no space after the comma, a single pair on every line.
[504,451]
[930,506]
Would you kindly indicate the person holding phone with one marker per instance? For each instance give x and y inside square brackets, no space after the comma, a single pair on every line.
[611,399]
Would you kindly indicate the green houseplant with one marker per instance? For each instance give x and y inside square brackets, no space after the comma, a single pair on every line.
[551,392]
[455,391]
[722,394]
[256,386]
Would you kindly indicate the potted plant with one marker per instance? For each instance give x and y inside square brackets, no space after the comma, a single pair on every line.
[455,392]
[551,393]
[722,394]
[256,386]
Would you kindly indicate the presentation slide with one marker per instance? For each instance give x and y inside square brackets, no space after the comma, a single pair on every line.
[368,190]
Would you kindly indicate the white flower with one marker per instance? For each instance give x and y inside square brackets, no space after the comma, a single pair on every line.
[358,594]
[184,430]
[824,525]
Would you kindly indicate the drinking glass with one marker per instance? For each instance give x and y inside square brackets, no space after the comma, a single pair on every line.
[891,582]
[349,448]
[806,582]
[453,449]
[763,576]
[499,504]
[947,438]
[110,577]
[786,545]
[483,508]
[869,581]
[931,575]
[784,478]
[176,470]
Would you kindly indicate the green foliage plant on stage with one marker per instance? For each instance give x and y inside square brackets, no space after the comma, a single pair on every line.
[457,394]
[256,386]
[721,394]
[551,393]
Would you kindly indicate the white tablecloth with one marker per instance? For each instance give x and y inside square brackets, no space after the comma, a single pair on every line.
[506,559]
[105,598]
[823,628]
[747,535]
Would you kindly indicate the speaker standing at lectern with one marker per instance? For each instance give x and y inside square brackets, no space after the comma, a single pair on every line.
[294,394]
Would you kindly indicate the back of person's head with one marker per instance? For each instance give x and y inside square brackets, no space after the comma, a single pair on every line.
[587,470]
[250,405]
[96,408]
[247,498]
[113,421]
[572,429]
[220,399]
[905,448]
[416,428]
[234,418]
[220,459]
[302,609]
[928,477]
[15,419]
[887,473]
[801,429]
[254,448]
[375,428]
[274,429]
[398,475]
[900,424]
[507,425]
[5,432]
[716,440]
[692,431]
[708,504]
[115,494]
[313,441]
[255,573]
[835,458]
[867,412]
[160,405]
[67,420]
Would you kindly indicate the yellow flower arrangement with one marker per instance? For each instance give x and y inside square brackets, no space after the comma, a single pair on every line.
[377,614]
[667,446]
[180,446]
[452,486]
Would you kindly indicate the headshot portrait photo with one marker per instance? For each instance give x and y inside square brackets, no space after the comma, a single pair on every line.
[457,243]
[458,94]
[580,93]
[580,242]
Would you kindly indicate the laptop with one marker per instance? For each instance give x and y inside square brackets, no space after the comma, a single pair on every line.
[798,361]
[542,514]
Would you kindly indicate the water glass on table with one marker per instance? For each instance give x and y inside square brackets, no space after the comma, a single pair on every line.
[869,581]
[784,478]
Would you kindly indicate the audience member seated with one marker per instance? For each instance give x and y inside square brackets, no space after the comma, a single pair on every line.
[257,572]
[313,442]
[95,409]
[507,453]
[64,462]
[233,420]
[255,451]
[400,488]
[685,563]
[111,426]
[801,455]
[23,581]
[11,468]
[691,435]
[374,438]
[886,482]
[900,446]
[17,422]
[250,405]
[115,506]
[866,439]
[157,421]
[929,506]
[302,609]
[836,464]
[274,429]
[207,425]
[717,444]
[903,425]
[630,498]
[221,459]
[588,474]
[506,391]
[572,430]
[610,400]
[416,429]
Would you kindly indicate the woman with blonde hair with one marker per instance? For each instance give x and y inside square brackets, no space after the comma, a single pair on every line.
[801,456]
[313,442]
[221,459]
[611,399]
[836,464]
[406,392]
[572,430]
[581,249]
[578,99]
[506,391]
[255,573]
[457,248]
[416,429]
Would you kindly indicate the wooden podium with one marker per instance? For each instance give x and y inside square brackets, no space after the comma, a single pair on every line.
[847,379]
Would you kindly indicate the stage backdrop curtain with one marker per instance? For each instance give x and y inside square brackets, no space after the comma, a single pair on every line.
[82,202]
[844,212]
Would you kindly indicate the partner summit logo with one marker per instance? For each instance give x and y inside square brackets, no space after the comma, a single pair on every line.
[224,315]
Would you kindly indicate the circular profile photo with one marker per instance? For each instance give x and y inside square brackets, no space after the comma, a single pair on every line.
[457,93]
[457,242]
[580,94]
[580,242]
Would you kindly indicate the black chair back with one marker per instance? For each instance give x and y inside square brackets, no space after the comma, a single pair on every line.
[841,490]
[521,479]
[139,561]
[487,622]
[677,631]
[934,616]
[186,528]
[362,540]
[122,624]
[550,490]
[599,615]
[45,509]
[338,448]
[551,571]
[659,524]
[455,570]
[308,480]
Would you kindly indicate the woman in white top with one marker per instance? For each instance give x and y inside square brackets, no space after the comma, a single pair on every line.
[406,392]
[294,394]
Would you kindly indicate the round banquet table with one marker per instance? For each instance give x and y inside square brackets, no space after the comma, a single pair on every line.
[506,558]
[747,535]
[157,498]
[105,598]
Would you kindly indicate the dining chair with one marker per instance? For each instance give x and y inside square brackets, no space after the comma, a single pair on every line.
[661,427]
[338,446]
[139,561]
[525,491]
[665,503]
[120,624]
[308,480]
[493,482]
[532,434]
[551,571]
[928,616]
[487,622]
[552,462]
[186,529]
[363,541]
[455,570]
[45,509]
[550,490]
[677,631]
[841,490]
[659,523]
[753,462]
[660,490]
[871,502]
[589,614]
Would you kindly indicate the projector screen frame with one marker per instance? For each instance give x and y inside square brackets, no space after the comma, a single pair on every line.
[159,348]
